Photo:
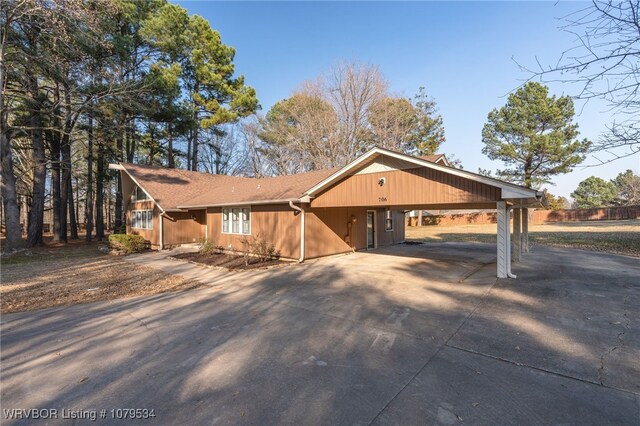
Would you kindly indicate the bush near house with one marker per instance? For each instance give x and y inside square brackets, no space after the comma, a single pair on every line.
[260,248]
[209,247]
[127,243]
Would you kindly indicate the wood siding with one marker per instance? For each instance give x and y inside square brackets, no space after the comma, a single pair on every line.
[152,236]
[276,223]
[182,228]
[340,230]
[413,187]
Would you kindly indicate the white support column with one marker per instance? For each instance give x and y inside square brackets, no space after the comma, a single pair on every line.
[515,243]
[525,230]
[502,240]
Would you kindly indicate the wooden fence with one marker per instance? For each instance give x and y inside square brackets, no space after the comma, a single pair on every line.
[535,217]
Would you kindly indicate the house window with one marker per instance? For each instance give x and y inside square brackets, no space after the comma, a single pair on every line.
[388,220]
[140,195]
[236,220]
[225,221]
[142,219]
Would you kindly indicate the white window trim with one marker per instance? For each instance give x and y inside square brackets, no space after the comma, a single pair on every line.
[390,214]
[229,209]
[134,212]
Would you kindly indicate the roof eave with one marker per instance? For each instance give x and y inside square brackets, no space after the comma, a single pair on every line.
[121,168]
[243,203]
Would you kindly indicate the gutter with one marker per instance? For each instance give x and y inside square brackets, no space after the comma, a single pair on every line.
[299,209]
[240,203]
[161,216]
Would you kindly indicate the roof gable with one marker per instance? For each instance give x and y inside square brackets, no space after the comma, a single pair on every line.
[169,188]
[509,190]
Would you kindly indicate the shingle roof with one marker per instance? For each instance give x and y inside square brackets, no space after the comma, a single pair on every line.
[279,188]
[433,158]
[174,189]
[171,188]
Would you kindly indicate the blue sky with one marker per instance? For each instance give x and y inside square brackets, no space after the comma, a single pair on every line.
[462,52]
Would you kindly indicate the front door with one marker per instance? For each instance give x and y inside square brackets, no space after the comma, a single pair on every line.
[371,229]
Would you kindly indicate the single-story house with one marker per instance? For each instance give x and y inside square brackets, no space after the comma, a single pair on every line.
[360,206]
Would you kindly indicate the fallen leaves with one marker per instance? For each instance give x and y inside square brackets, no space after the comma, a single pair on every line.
[80,274]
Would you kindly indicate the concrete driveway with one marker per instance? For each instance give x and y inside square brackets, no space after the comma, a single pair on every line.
[404,335]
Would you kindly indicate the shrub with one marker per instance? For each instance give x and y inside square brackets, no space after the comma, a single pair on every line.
[127,243]
[260,248]
[122,229]
[209,247]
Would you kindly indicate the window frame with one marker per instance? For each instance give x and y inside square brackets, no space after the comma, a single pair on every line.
[235,217]
[388,219]
[140,195]
[142,219]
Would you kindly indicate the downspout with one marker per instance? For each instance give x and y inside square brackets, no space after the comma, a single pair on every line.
[161,230]
[299,209]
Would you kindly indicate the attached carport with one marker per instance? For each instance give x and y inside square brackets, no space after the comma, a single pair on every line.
[395,182]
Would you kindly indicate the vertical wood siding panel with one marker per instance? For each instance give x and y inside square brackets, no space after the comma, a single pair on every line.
[275,223]
[419,186]
[152,236]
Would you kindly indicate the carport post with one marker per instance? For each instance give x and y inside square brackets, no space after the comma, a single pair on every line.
[515,243]
[525,230]
[503,239]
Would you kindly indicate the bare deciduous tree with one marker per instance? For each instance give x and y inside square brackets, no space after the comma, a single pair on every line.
[604,63]
[352,88]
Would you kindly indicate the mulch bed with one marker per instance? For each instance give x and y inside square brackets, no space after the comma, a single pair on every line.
[229,261]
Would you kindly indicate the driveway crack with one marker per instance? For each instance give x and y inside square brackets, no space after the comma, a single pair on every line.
[437,352]
[146,326]
[620,336]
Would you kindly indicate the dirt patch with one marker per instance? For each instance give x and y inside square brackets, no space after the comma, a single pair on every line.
[46,277]
[229,261]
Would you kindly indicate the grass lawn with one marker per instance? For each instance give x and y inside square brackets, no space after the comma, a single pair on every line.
[615,236]
[76,273]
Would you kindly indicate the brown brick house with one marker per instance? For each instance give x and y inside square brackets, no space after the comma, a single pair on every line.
[360,206]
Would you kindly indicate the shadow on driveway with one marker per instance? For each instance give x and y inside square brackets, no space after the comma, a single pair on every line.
[390,336]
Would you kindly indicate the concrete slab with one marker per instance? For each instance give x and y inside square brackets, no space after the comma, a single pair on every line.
[570,312]
[396,335]
[462,388]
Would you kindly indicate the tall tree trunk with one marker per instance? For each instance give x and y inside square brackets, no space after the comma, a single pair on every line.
[109,209]
[100,193]
[194,145]
[196,127]
[77,204]
[54,149]
[36,214]
[152,152]
[13,232]
[131,141]
[118,213]
[189,139]
[170,146]
[53,137]
[65,184]
[65,150]
[72,216]
[11,211]
[88,205]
